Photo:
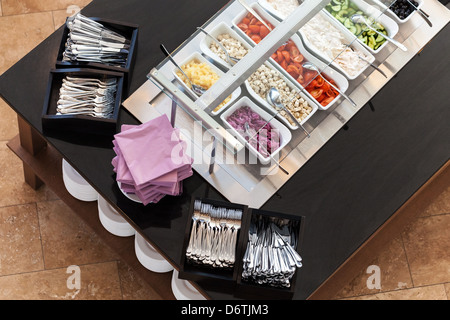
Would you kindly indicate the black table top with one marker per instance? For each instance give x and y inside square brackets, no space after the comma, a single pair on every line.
[346,191]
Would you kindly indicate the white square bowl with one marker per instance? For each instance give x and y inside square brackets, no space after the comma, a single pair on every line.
[272,110]
[328,71]
[370,11]
[348,36]
[383,7]
[221,28]
[196,56]
[284,133]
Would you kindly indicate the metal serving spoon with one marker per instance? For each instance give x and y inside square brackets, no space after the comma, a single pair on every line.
[357,18]
[424,15]
[198,90]
[231,60]
[313,67]
[273,96]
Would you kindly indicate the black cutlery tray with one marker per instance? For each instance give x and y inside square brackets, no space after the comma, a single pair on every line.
[231,280]
[52,122]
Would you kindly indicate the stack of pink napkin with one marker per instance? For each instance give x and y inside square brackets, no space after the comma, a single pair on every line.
[151,160]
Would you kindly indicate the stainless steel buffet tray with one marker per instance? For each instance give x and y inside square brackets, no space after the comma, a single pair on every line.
[238,177]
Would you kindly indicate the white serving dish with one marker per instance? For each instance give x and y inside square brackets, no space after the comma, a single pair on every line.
[264,14]
[338,78]
[269,8]
[389,24]
[350,39]
[284,133]
[219,29]
[383,7]
[266,104]
[198,57]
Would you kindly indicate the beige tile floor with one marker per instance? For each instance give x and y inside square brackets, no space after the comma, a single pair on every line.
[40,237]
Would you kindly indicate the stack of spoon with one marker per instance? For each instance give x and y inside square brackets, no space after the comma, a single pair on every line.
[90,41]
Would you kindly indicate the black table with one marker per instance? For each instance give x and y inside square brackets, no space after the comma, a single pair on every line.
[347,191]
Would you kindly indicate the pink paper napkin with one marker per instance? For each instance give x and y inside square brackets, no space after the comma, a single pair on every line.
[151,160]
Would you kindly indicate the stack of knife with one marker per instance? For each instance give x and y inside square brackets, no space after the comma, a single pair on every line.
[90,41]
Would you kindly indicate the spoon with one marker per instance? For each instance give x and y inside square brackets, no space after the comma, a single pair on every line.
[311,66]
[273,96]
[357,18]
[424,15]
[254,13]
[231,60]
[198,90]
[247,128]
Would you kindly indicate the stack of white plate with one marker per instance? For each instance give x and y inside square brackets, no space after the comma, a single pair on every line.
[76,185]
[112,220]
[149,257]
[183,290]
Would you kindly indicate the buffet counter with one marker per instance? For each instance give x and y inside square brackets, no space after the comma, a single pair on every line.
[354,171]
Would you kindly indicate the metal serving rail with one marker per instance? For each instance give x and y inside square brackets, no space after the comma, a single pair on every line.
[254,183]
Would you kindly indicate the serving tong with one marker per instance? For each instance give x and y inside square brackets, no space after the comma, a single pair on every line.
[87,96]
[270,257]
[90,41]
[213,237]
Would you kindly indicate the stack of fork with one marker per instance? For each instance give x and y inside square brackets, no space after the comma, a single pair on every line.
[213,235]
[87,96]
[90,41]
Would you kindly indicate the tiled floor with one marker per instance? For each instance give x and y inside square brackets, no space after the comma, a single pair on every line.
[40,237]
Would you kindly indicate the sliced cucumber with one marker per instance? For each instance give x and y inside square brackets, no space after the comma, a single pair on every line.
[336,8]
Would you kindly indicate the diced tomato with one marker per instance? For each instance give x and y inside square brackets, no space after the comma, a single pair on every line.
[284,64]
[263,31]
[274,56]
[256,38]
[320,81]
[283,46]
[254,28]
[293,51]
[316,93]
[298,59]
[279,56]
[326,101]
[286,55]
[293,71]
[325,86]
[243,26]
[246,20]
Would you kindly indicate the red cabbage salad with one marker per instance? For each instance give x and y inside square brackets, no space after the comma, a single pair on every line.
[263,137]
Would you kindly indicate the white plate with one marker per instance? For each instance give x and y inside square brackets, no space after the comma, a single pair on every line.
[112,220]
[271,110]
[149,257]
[284,133]
[349,37]
[196,56]
[183,290]
[130,196]
[219,29]
[76,185]
[383,7]
[389,24]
